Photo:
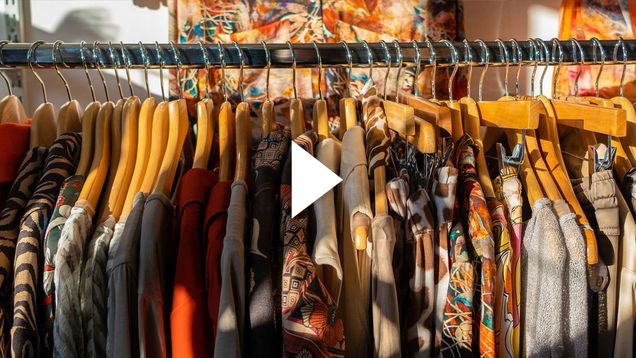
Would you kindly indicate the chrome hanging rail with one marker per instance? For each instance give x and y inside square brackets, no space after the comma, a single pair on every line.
[14,55]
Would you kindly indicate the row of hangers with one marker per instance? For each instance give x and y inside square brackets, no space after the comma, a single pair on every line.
[131,146]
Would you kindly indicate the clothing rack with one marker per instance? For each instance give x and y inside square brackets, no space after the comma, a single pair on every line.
[154,55]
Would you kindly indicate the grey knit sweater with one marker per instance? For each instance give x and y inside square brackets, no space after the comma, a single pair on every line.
[542,276]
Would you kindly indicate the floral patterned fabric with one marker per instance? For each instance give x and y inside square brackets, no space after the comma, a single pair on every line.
[479,229]
[508,190]
[306,21]
[457,338]
[310,325]
[605,20]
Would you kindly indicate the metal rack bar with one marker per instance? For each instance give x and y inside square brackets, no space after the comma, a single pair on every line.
[14,55]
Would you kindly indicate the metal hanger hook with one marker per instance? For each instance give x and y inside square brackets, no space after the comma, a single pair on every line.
[576,44]
[519,60]
[293,57]
[556,44]
[468,60]
[595,43]
[88,77]
[455,59]
[535,64]
[127,63]
[486,62]
[206,62]
[269,67]
[387,55]
[242,64]
[161,63]
[177,61]
[146,62]
[350,63]
[418,67]
[56,50]
[503,51]
[319,69]
[369,60]
[221,50]
[432,59]
[115,61]
[98,66]
[4,77]
[544,58]
[400,60]
[31,57]
[621,44]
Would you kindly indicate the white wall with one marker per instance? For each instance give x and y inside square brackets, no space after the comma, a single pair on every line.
[506,19]
[89,20]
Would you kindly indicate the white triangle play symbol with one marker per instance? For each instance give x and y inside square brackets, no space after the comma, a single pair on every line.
[310,179]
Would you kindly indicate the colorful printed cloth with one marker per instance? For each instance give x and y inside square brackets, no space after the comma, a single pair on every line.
[479,229]
[306,21]
[443,194]
[310,325]
[378,138]
[69,192]
[457,338]
[605,20]
[508,190]
[503,302]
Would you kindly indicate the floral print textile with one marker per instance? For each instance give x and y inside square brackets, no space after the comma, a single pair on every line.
[605,20]
[479,229]
[305,21]
[310,325]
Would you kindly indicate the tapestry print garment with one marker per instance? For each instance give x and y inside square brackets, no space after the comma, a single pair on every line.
[310,325]
[479,230]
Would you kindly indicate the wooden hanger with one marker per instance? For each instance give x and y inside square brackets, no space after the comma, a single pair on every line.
[243,141]
[205,123]
[320,116]
[68,119]
[347,104]
[629,141]
[227,137]
[158,143]
[43,122]
[412,128]
[101,157]
[296,115]
[267,109]
[11,108]
[134,125]
[142,157]
[107,206]
[177,132]
[457,130]
[88,137]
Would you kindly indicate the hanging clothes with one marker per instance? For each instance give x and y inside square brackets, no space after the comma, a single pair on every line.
[10,218]
[264,334]
[310,327]
[189,324]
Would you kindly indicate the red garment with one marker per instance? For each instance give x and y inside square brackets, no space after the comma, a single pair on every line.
[14,144]
[215,220]
[188,322]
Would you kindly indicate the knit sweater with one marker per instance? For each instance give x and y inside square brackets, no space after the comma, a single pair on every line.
[543,267]
[575,303]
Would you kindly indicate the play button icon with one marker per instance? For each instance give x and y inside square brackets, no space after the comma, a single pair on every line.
[310,179]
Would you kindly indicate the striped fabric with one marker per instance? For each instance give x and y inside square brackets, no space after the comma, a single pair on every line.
[61,162]
[378,138]
[94,290]
[21,192]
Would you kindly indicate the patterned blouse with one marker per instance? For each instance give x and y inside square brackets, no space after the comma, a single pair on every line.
[21,191]
[508,190]
[61,162]
[310,325]
[479,229]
